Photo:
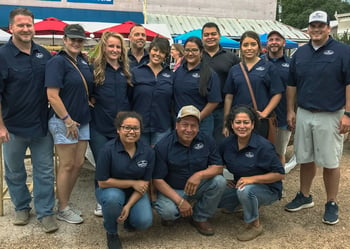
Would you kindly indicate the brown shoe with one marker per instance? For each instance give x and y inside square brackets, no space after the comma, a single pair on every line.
[203,227]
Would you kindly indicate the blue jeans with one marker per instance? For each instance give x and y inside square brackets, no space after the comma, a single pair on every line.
[97,141]
[218,116]
[251,197]
[112,201]
[152,138]
[207,198]
[41,150]
[207,125]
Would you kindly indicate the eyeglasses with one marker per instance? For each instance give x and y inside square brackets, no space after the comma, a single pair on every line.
[129,128]
[193,50]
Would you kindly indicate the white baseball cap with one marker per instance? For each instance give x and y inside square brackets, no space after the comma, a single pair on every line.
[319,16]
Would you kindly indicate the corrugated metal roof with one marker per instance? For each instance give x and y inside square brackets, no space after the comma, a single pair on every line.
[231,27]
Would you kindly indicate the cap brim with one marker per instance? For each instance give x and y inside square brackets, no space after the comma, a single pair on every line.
[77,36]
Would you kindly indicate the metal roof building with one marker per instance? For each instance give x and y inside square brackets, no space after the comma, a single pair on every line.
[230,27]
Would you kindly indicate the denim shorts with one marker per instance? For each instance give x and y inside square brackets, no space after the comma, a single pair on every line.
[58,131]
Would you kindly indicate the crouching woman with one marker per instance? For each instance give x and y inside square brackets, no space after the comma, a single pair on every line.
[123,171]
[256,168]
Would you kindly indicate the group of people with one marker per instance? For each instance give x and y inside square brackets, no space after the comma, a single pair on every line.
[170,131]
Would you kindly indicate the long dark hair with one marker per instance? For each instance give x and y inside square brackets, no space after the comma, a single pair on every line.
[204,71]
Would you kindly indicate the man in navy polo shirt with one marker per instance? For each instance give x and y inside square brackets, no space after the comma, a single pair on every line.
[24,120]
[188,173]
[275,54]
[137,53]
[320,78]
[221,61]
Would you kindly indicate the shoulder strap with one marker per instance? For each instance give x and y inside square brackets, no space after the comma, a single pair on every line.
[249,85]
[81,75]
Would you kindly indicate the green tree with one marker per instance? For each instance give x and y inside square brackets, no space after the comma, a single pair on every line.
[296,12]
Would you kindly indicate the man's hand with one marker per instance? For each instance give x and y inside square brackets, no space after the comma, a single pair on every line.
[4,135]
[192,184]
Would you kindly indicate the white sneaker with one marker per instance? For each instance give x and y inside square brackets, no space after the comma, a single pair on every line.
[98,210]
[291,164]
[68,215]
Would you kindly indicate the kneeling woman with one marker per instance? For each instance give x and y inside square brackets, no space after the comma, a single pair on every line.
[256,168]
[123,171]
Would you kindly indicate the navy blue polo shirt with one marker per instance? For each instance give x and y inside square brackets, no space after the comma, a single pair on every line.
[175,163]
[111,97]
[321,75]
[22,93]
[152,97]
[264,79]
[221,63]
[115,162]
[134,63]
[186,88]
[257,158]
[282,66]
[60,73]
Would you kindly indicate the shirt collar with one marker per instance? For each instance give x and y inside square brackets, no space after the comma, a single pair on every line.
[15,51]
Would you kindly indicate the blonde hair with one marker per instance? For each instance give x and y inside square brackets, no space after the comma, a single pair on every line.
[100,61]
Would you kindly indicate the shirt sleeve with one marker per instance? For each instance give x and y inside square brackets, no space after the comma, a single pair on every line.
[55,72]
[103,164]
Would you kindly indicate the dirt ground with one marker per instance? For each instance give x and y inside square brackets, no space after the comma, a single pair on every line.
[303,229]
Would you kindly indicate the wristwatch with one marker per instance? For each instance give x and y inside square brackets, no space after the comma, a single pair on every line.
[347,114]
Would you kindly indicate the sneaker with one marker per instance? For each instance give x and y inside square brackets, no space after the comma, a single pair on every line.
[68,215]
[330,216]
[299,202]
[71,206]
[249,233]
[22,217]
[113,241]
[49,224]
[98,210]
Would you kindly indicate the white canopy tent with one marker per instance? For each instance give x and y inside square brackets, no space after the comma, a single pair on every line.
[4,36]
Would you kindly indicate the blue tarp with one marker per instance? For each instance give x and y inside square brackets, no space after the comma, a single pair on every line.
[289,43]
[224,41]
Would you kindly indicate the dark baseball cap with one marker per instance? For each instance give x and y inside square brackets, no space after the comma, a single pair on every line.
[275,32]
[74,31]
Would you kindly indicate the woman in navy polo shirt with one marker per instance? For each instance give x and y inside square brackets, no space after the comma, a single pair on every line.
[123,172]
[111,80]
[152,92]
[265,80]
[68,79]
[195,83]
[256,167]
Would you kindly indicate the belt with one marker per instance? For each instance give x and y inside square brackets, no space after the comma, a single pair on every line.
[315,110]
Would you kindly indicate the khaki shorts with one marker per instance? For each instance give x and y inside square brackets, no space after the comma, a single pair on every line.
[317,138]
[282,140]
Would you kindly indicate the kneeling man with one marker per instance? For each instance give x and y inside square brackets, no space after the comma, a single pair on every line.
[188,173]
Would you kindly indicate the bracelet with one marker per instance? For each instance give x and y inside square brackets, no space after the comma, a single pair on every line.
[70,125]
[65,117]
[181,202]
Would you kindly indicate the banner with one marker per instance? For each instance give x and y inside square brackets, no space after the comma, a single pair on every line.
[91,1]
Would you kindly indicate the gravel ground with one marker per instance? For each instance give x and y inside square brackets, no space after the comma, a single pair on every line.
[282,229]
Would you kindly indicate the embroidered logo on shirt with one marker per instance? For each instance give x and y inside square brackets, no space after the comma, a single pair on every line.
[285,64]
[260,69]
[166,75]
[83,62]
[198,146]
[39,55]
[142,164]
[196,75]
[122,74]
[328,52]
[249,154]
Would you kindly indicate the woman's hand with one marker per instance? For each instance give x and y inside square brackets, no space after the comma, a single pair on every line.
[124,214]
[141,186]
[225,132]
[72,129]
